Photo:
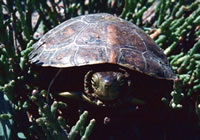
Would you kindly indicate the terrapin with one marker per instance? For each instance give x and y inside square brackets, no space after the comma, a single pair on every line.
[114,53]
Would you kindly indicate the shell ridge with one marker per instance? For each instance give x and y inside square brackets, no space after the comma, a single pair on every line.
[141,40]
[145,62]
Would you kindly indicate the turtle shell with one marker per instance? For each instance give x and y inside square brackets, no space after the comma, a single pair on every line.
[98,39]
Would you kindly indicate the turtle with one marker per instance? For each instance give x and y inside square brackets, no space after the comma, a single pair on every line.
[111,52]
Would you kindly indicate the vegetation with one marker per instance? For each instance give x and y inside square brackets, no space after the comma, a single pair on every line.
[174,25]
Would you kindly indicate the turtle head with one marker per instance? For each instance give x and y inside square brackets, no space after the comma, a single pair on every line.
[108,85]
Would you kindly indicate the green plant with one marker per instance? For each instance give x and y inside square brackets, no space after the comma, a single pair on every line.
[174,25]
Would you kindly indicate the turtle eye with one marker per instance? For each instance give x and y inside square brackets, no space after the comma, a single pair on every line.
[107,84]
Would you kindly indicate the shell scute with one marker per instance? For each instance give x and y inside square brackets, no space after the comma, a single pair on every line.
[44,58]
[93,55]
[132,59]
[130,38]
[63,57]
[64,37]
[92,36]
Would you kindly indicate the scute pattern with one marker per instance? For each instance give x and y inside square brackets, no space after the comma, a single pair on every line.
[132,59]
[92,55]
[98,39]
[94,34]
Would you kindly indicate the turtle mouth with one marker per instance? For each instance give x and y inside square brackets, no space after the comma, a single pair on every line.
[94,99]
[121,100]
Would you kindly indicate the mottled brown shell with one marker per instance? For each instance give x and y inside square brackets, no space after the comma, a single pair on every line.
[98,39]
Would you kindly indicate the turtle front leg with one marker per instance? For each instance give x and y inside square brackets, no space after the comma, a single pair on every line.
[71,95]
[77,96]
